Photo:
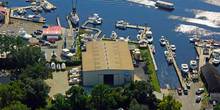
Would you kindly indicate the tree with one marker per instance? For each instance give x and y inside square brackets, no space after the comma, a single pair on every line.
[78,98]
[39,70]
[60,103]
[10,93]
[135,106]
[142,91]
[36,92]
[169,103]
[217,107]
[16,106]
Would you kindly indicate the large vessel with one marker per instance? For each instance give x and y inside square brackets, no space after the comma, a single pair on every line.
[74,16]
[121,24]
[165,5]
[22,33]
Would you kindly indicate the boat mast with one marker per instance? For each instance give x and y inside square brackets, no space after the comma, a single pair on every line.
[74,7]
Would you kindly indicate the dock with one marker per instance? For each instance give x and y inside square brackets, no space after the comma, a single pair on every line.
[51,5]
[22,18]
[7,17]
[83,26]
[152,57]
[174,64]
[58,21]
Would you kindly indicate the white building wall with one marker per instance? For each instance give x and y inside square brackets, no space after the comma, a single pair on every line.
[92,78]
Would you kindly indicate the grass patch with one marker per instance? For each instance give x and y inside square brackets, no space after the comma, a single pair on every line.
[205,101]
[153,76]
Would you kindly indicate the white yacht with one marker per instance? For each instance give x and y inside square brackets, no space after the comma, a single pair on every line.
[23,34]
[113,35]
[21,11]
[173,47]
[169,60]
[139,35]
[74,16]
[166,54]
[193,64]
[66,53]
[46,6]
[194,39]
[216,60]
[149,36]
[184,68]
[162,40]
[95,19]
[30,16]
[121,24]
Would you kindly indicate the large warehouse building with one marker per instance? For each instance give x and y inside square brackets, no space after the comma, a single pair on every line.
[107,62]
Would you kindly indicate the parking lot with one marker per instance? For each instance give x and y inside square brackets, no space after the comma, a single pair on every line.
[59,83]
[189,101]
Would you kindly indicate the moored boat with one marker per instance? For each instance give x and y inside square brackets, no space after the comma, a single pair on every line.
[164,5]
[162,40]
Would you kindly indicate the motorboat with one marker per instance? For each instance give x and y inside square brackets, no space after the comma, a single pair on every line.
[95,19]
[166,54]
[193,64]
[169,60]
[53,66]
[139,35]
[46,6]
[30,16]
[22,33]
[66,53]
[215,52]
[39,8]
[37,17]
[162,40]
[194,71]
[33,8]
[164,5]
[173,47]
[63,66]
[194,39]
[149,36]
[21,11]
[153,48]
[58,66]
[216,60]
[113,35]
[121,24]
[184,68]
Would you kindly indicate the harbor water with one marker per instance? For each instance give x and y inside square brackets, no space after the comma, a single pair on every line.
[189,18]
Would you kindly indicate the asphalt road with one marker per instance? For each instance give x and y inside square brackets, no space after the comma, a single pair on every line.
[141,71]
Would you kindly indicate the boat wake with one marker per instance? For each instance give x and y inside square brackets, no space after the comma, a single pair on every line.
[193,31]
[140,3]
[144,2]
[212,2]
[207,18]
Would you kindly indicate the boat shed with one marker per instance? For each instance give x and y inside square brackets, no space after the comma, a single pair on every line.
[53,33]
[211,79]
[107,62]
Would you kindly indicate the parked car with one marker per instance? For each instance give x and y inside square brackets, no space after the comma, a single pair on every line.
[200,91]
[188,85]
[33,35]
[185,90]
[198,99]
[179,91]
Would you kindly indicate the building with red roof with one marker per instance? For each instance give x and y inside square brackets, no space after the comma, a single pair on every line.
[53,33]
[2,13]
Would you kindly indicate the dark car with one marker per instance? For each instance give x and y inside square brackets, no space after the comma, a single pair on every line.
[33,35]
[185,90]
[198,99]
[179,91]
[200,91]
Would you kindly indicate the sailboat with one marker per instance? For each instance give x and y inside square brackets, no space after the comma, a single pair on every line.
[74,16]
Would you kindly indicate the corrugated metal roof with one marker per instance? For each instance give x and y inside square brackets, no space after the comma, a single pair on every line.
[102,55]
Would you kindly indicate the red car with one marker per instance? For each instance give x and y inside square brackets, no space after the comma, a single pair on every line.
[52,41]
[179,91]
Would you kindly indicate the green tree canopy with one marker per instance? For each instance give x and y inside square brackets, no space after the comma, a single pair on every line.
[60,103]
[16,106]
[135,106]
[217,107]
[10,93]
[39,70]
[169,103]
[78,98]
[142,91]
[36,92]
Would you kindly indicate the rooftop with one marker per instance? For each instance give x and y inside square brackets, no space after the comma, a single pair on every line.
[53,30]
[104,55]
